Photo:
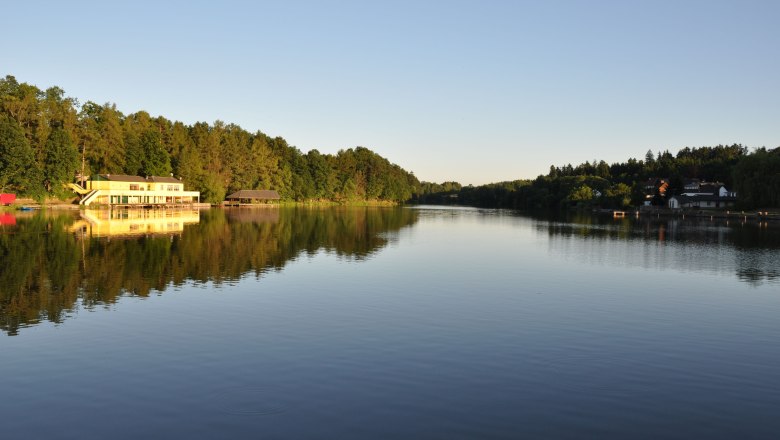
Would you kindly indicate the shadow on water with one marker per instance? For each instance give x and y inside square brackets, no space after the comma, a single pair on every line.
[747,250]
[55,262]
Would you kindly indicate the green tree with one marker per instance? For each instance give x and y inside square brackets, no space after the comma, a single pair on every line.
[103,140]
[619,195]
[303,183]
[62,159]
[179,141]
[155,161]
[190,167]
[323,175]
[18,169]
[265,163]
[757,179]
[581,194]
[134,154]
[212,189]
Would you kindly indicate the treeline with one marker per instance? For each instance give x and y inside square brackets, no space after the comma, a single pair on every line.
[754,175]
[44,134]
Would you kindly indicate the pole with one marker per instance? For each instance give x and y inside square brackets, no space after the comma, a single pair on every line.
[83,148]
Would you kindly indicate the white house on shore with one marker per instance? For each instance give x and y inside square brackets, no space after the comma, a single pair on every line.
[710,190]
[707,201]
[124,190]
[697,194]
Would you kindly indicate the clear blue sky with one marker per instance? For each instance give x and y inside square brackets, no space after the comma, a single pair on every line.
[473,91]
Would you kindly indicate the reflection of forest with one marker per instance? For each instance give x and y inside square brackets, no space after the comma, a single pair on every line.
[48,269]
[745,249]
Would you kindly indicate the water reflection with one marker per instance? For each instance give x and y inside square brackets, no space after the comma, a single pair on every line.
[54,263]
[742,249]
[7,219]
[121,222]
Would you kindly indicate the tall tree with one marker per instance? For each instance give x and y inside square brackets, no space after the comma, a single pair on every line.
[62,159]
[18,168]
[266,164]
[155,161]
[102,138]
[323,175]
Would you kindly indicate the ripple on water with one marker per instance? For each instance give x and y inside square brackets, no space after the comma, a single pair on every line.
[251,401]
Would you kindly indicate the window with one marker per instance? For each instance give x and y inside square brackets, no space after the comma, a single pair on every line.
[133,187]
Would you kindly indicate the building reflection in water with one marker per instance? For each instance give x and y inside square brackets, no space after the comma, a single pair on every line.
[128,222]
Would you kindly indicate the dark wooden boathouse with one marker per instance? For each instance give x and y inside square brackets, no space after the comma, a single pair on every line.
[250,196]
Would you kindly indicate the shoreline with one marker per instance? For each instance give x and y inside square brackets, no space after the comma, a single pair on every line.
[758,215]
[20,204]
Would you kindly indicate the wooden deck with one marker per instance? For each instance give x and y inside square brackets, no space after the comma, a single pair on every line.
[152,205]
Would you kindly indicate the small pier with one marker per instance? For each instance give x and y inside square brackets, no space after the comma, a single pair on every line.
[616,213]
[712,215]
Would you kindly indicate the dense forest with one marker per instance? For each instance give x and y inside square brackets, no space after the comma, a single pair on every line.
[44,135]
[46,138]
[755,176]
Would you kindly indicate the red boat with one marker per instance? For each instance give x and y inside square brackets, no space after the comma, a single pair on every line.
[7,199]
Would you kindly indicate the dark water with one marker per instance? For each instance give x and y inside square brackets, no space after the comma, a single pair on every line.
[388,323]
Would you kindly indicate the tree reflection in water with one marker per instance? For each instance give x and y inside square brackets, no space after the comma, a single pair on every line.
[53,263]
[745,249]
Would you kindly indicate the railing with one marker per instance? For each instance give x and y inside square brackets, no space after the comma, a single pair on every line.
[78,189]
[88,199]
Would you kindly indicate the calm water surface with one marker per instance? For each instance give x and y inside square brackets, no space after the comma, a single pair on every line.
[387,323]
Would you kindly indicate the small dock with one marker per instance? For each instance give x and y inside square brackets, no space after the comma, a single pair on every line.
[152,205]
[616,213]
[712,215]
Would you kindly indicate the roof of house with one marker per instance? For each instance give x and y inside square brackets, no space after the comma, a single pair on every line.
[128,178]
[265,194]
[710,187]
[702,198]
[159,179]
[120,178]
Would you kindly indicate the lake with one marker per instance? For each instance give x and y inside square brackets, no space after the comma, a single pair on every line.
[411,322]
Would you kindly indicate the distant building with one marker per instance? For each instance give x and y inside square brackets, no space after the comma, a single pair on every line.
[655,191]
[716,196]
[121,189]
[709,189]
[691,185]
[245,196]
[656,185]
